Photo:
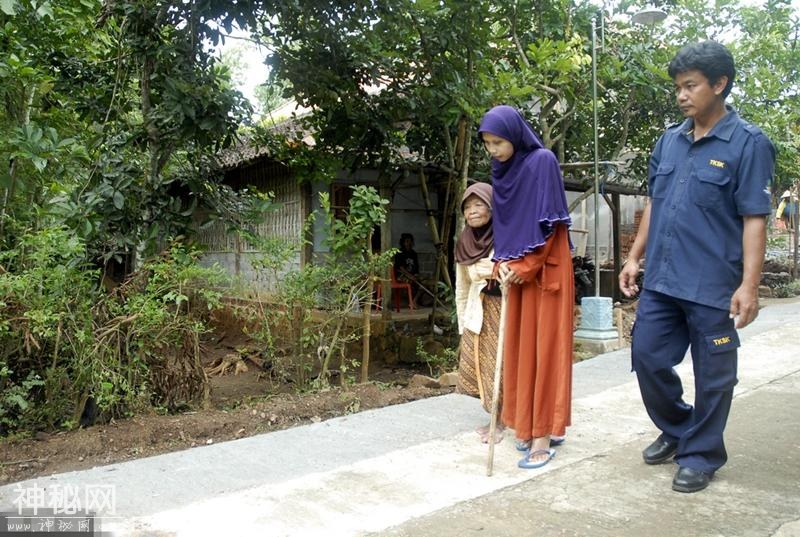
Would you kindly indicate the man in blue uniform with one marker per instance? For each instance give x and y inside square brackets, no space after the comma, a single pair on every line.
[703,234]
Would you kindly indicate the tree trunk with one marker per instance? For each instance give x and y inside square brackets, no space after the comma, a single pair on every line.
[323,375]
[153,135]
[23,116]
[441,260]
[464,169]
[386,243]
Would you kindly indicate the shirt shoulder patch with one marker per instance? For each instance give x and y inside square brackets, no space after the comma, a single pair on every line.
[674,126]
[752,129]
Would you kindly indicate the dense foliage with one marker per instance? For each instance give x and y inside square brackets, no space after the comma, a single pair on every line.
[412,77]
[112,114]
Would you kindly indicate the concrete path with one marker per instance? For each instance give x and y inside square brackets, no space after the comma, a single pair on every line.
[417,469]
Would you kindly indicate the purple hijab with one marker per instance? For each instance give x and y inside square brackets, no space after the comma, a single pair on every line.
[529,198]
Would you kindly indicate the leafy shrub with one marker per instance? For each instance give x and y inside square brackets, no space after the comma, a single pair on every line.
[311,317]
[443,359]
[788,290]
[67,346]
[46,328]
[153,328]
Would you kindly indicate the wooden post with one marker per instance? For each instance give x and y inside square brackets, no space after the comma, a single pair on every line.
[386,243]
[367,318]
[616,212]
[796,226]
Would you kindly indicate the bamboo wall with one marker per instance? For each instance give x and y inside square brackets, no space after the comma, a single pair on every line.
[285,222]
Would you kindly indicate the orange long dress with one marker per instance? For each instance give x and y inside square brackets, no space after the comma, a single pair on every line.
[537,368]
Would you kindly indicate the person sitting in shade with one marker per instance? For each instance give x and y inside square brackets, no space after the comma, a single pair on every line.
[406,261]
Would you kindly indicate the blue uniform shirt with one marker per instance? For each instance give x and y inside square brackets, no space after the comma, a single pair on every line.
[700,190]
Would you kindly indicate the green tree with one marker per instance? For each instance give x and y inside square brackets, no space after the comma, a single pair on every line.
[172,107]
[113,113]
[269,96]
[768,92]
[399,78]
[40,129]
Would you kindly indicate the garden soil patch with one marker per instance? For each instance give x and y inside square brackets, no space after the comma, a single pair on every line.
[145,436]
[240,408]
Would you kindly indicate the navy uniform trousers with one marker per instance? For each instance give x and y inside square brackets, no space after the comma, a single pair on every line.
[665,326]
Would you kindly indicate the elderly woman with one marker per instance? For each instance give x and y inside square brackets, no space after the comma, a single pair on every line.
[477,300]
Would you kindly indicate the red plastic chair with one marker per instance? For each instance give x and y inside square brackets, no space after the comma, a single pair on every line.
[397,287]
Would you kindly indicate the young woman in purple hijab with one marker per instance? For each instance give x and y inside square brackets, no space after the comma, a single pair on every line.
[533,252]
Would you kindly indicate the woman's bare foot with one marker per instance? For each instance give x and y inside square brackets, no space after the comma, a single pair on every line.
[483,432]
[540,448]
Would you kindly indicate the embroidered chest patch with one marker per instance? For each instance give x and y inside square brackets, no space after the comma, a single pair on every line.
[717,163]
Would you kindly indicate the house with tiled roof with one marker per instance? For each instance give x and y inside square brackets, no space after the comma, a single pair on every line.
[248,165]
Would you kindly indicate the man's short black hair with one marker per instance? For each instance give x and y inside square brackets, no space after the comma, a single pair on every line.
[708,57]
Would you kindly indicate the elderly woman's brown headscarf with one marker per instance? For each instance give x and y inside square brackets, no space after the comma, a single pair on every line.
[475,243]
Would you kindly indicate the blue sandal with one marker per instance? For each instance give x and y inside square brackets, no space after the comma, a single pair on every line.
[528,465]
[522,445]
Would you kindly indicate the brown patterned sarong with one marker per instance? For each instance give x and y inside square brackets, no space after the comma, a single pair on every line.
[478,354]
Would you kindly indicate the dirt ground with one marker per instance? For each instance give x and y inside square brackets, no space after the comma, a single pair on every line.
[238,414]
[245,401]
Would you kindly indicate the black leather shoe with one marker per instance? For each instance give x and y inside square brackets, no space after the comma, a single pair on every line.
[659,451]
[690,480]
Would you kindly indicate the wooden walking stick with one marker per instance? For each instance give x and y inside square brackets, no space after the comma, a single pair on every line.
[498,372]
